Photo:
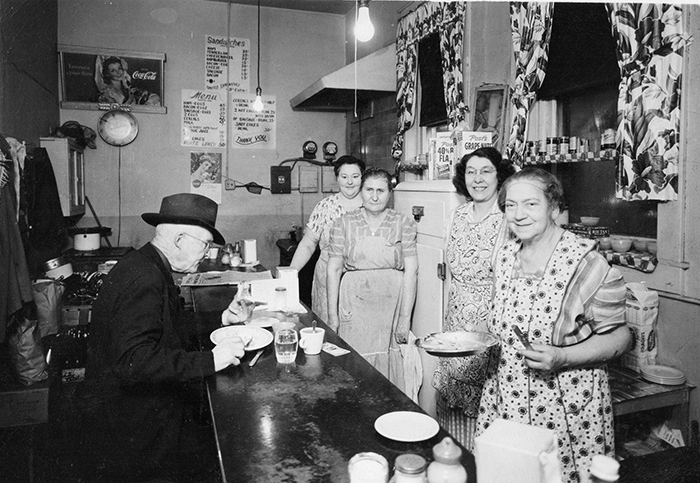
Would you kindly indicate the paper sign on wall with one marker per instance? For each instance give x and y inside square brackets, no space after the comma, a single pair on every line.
[227,63]
[203,119]
[250,129]
[205,175]
[468,141]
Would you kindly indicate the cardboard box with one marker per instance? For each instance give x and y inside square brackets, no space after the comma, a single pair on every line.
[509,452]
[72,315]
[587,231]
[22,405]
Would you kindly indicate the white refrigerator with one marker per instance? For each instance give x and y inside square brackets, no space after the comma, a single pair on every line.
[429,203]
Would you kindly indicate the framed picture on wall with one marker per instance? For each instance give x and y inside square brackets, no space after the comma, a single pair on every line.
[490,111]
[105,79]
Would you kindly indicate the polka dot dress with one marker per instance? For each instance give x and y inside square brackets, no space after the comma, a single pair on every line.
[574,403]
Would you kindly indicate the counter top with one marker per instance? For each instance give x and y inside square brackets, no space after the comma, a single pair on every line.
[303,422]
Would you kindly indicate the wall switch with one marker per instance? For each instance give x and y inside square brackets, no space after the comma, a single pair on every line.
[308,179]
[280,179]
[328,182]
[229,184]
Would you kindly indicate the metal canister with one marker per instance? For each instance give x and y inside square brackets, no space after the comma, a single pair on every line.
[573,145]
[531,148]
[552,147]
[607,140]
[564,145]
[541,147]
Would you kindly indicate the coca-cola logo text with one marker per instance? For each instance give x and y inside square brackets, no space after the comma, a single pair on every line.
[144,75]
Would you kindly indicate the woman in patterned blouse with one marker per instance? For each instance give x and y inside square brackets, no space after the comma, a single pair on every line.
[556,288]
[348,172]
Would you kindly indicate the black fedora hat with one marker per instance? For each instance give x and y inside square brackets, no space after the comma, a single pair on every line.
[187,209]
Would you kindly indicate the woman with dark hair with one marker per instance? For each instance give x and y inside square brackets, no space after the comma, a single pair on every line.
[558,290]
[373,249]
[114,83]
[475,230]
[348,172]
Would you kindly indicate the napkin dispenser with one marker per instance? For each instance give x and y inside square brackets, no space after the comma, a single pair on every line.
[249,251]
[511,452]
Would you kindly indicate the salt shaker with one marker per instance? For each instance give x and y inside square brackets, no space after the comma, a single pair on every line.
[446,468]
[409,468]
[235,259]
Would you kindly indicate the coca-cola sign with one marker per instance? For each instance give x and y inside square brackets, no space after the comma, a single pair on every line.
[96,78]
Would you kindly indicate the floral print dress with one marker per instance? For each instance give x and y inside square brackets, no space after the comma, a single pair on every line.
[574,403]
[470,247]
[325,213]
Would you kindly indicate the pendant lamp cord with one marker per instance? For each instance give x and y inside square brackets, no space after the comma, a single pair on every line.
[258,47]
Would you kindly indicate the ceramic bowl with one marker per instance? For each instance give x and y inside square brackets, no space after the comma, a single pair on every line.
[604,243]
[590,220]
[621,245]
[651,247]
[640,245]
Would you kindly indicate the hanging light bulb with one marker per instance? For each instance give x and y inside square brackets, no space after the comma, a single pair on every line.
[258,105]
[364,30]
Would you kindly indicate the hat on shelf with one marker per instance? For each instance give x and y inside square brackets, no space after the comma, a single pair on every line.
[187,209]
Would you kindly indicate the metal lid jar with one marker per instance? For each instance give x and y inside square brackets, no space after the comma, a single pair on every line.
[410,468]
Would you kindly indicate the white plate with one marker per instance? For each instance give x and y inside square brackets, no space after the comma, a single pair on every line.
[262,322]
[261,337]
[457,344]
[662,375]
[407,426]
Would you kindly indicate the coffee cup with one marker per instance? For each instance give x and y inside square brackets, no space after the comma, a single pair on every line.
[311,340]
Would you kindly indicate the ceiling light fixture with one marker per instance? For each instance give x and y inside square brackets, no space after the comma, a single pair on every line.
[258,105]
[364,30]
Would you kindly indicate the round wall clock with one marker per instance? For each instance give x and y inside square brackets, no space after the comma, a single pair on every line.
[118,127]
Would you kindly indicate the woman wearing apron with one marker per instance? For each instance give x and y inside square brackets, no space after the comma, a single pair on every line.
[556,288]
[374,250]
[348,172]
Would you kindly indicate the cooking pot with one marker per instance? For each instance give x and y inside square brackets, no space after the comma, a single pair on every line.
[86,239]
[58,269]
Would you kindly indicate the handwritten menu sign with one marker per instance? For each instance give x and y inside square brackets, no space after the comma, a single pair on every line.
[227,63]
[250,129]
[203,119]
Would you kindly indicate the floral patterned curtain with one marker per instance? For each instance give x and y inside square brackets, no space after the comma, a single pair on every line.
[531,29]
[447,18]
[651,41]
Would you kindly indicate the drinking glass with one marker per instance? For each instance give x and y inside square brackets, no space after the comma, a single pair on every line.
[286,344]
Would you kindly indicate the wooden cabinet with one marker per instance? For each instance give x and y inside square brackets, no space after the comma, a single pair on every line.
[68,162]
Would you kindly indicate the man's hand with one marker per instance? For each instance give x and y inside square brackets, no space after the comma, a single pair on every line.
[228,352]
[237,311]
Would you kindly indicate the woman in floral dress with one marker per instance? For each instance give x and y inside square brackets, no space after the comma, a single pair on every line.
[563,294]
[348,172]
[474,229]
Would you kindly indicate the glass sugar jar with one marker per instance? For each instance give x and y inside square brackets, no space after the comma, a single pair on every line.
[410,468]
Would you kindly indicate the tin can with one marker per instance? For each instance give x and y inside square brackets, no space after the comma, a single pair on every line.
[368,468]
[531,148]
[607,140]
[564,145]
[583,145]
[541,147]
[552,147]
[573,145]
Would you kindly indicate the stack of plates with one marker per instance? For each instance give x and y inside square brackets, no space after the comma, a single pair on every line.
[662,375]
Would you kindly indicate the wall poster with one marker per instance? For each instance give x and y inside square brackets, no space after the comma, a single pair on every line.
[203,119]
[104,79]
[205,174]
[221,53]
[250,129]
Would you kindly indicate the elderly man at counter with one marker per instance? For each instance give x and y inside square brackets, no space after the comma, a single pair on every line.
[137,378]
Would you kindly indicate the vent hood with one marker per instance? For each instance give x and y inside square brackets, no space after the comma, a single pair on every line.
[376,76]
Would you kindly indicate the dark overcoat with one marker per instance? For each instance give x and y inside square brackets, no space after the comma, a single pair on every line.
[137,369]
